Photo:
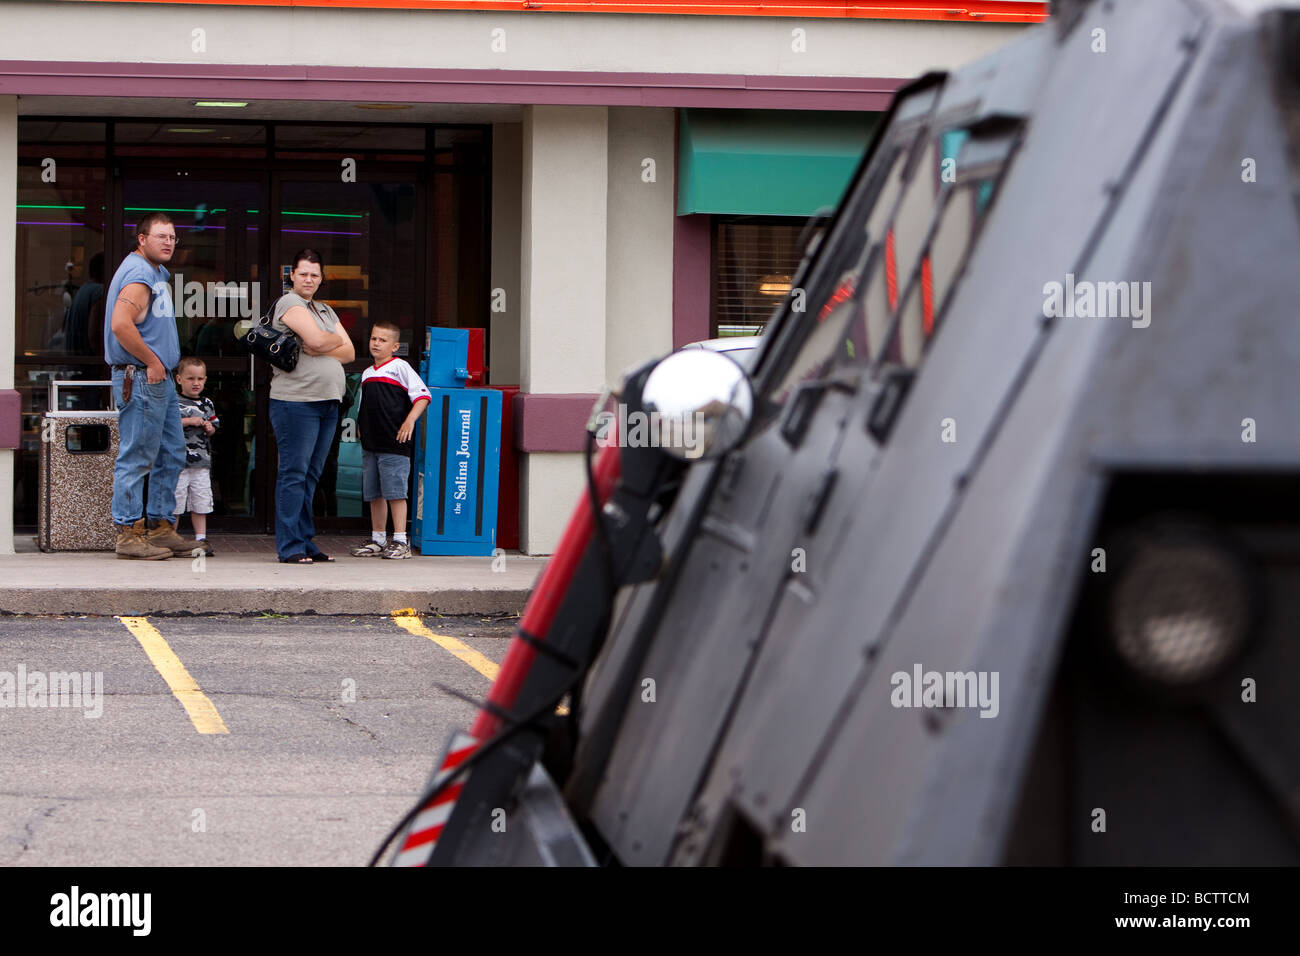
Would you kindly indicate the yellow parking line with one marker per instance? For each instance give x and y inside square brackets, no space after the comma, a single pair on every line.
[408,620]
[203,714]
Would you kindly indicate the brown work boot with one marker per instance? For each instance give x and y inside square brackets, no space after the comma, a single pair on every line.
[131,543]
[163,535]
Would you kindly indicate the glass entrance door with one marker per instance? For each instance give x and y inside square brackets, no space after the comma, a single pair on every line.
[217,281]
[365,233]
[236,237]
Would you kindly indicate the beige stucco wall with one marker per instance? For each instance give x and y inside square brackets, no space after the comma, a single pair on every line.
[549,486]
[507,198]
[8,265]
[154,33]
[597,272]
[562,275]
[562,283]
[639,252]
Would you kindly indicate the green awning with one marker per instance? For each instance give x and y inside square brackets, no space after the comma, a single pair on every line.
[767,162]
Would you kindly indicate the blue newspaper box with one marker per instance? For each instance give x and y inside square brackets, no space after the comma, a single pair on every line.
[445,363]
[457,454]
[457,476]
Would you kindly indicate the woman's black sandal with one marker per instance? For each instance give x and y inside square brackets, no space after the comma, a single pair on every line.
[297,559]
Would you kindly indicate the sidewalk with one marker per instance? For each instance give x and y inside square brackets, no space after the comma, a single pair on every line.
[244,576]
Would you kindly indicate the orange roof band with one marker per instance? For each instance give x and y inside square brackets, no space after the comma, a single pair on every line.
[984,11]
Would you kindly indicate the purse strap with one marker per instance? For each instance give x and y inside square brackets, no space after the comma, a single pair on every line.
[270,313]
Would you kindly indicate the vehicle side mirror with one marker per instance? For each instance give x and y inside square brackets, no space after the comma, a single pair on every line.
[700,404]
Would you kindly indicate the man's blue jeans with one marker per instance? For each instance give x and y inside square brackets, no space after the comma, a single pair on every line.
[304,432]
[151,443]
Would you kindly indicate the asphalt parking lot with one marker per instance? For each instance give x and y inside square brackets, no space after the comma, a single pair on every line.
[226,740]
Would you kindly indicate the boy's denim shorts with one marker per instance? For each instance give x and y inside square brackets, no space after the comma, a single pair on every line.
[384,475]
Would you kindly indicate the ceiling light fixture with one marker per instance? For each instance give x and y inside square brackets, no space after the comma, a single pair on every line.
[230,104]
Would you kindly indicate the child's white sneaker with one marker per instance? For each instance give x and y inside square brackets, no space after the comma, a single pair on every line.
[397,550]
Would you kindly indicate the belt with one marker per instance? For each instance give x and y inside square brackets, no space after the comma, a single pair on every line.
[125,367]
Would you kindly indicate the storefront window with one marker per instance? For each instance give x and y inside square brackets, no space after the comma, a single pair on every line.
[327,141]
[214,271]
[753,262]
[460,191]
[60,251]
[190,139]
[60,271]
[407,240]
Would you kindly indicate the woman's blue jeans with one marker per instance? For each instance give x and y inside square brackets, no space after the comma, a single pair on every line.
[304,432]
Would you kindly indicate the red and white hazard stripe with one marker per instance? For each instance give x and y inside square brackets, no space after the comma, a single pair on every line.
[543,604]
[426,828]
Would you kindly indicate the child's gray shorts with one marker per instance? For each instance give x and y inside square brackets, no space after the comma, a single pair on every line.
[384,475]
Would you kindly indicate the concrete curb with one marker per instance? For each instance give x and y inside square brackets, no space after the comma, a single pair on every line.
[235,583]
[146,601]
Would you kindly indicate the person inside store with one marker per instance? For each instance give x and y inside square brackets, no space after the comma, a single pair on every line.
[305,407]
[80,334]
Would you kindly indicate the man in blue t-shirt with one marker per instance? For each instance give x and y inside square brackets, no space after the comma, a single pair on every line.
[141,345]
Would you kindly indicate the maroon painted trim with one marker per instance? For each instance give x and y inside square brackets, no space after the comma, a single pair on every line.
[508,495]
[692,265]
[11,419]
[551,422]
[415,85]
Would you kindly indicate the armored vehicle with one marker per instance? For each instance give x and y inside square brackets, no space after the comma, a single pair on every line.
[993,555]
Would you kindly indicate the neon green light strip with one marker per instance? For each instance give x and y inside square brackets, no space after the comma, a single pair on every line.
[321,215]
[283,212]
[165,209]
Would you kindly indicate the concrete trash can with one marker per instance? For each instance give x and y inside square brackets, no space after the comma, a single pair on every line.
[75,476]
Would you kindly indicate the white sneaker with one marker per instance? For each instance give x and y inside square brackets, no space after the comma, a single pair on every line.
[367,550]
[396,550]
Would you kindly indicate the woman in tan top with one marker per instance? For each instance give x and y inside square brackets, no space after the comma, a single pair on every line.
[305,408]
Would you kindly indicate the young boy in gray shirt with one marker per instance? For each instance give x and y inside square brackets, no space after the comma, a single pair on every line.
[199,418]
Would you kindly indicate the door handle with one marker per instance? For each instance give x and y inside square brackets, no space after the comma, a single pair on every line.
[816,503]
[894,385]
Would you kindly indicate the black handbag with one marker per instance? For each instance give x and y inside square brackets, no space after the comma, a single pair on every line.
[281,349]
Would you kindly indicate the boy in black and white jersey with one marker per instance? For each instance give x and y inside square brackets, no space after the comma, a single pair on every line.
[392,400]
